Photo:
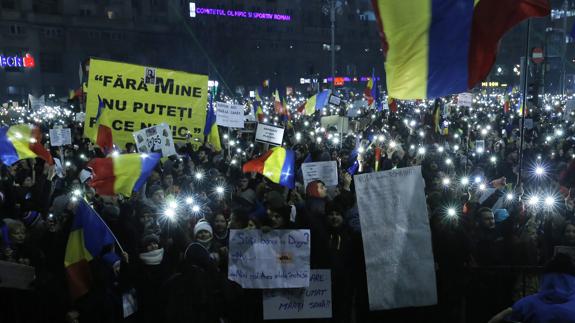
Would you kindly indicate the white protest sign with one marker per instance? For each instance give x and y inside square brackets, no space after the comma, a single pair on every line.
[269,134]
[396,239]
[355,109]
[277,259]
[36,103]
[155,139]
[16,276]
[80,117]
[229,115]
[310,303]
[325,171]
[60,137]
[465,99]
[341,123]
[529,123]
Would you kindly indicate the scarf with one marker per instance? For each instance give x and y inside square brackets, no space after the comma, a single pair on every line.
[153,257]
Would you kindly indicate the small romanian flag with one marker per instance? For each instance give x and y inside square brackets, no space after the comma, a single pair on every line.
[316,102]
[211,127]
[122,174]
[104,135]
[22,142]
[278,165]
[88,238]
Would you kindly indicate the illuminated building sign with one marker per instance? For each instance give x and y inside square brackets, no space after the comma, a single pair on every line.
[196,11]
[26,61]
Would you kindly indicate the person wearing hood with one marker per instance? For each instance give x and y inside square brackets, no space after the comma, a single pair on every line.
[555,301]
[203,234]
[200,293]
[151,271]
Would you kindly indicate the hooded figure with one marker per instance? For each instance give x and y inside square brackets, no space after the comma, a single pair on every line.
[555,301]
[200,293]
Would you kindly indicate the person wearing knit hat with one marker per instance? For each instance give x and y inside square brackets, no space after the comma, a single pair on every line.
[203,232]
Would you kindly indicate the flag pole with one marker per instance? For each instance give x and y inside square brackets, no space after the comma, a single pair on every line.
[523,104]
[105,224]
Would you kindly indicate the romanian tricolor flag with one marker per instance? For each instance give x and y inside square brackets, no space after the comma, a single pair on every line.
[278,104]
[211,127]
[104,135]
[435,48]
[22,142]
[277,164]
[122,174]
[316,102]
[89,237]
[258,102]
[367,93]
[506,104]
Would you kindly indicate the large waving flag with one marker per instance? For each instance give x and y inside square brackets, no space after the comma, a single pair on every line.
[22,142]
[104,135]
[88,238]
[316,102]
[211,127]
[277,164]
[122,174]
[436,48]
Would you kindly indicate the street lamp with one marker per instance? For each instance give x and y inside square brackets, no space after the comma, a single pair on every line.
[331,7]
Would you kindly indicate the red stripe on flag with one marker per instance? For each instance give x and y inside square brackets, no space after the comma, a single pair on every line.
[491,20]
[256,165]
[79,278]
[104,178]
[104,138]
[37,147]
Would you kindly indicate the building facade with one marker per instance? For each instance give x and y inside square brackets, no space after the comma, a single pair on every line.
[231,47]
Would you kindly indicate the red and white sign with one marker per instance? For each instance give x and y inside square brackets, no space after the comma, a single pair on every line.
[537,55]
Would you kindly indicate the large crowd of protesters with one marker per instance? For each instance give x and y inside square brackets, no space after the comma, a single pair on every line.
[498,208]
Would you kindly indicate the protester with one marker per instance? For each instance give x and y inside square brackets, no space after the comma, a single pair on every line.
[490,235]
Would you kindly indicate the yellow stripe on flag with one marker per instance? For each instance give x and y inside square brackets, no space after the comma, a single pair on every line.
[274,164]
[75,249]
[310,105]
[20,136]
[406,64]
[127,170]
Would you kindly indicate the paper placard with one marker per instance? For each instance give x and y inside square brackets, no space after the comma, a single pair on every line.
[396,239]
[277,259]
[325,171]
[16,276]
[229,115]
[36,103]
[155,139]
[60,137]
[529,123]
[269,134]
[480,146]
[309,303]
[80,117]
[465,100]
[341,123]
[129,303]
[335,100]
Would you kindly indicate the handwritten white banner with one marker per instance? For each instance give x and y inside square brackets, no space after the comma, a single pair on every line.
[325,171]
[396,239]
[310,303]
[230,115]
[277,259]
